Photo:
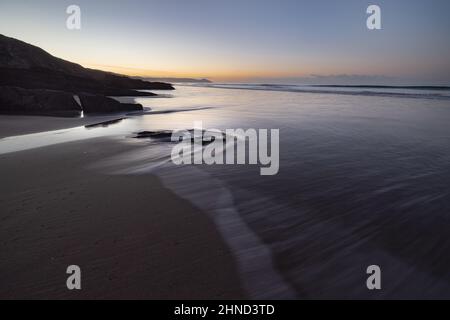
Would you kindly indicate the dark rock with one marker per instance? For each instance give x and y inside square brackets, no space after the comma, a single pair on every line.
[100,104]
[166,136]
[56,80]
[104,124]
[15,100]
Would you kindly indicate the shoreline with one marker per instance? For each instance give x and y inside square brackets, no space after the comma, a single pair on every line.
[16,125]
[131,236]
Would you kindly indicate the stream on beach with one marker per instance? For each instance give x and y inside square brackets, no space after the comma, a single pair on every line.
[363,180]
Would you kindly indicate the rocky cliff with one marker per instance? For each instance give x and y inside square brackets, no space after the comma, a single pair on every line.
[32,76]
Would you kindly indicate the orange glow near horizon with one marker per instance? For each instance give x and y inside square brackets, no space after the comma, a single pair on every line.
[218,75]
[224,74]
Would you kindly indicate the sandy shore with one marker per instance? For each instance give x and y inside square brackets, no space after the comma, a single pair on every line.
[131,237]
[18,125]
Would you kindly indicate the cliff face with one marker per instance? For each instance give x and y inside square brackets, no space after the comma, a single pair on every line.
[27,67]
[31,67]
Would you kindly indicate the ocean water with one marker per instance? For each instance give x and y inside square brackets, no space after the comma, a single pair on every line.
[364,180]
[424,92]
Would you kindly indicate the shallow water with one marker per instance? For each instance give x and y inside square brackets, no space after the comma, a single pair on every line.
[363,180]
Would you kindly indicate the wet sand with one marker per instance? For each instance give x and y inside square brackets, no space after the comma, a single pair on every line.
[132,238]
[11,125]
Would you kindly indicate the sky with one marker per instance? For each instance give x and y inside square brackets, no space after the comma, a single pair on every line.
[320,41]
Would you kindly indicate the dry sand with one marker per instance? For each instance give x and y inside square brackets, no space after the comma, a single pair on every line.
[132,238]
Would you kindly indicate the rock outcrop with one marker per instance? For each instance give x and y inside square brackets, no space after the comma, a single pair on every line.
[101,104]
[15,100]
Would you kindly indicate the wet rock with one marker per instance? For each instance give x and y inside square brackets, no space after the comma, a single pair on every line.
[166,135]
[104,124]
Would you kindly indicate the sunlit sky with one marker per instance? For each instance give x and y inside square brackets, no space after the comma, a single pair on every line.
[243,40]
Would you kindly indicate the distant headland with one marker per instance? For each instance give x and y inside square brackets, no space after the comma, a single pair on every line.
[175,80]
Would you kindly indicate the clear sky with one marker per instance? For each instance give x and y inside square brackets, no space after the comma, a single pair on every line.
[244,40]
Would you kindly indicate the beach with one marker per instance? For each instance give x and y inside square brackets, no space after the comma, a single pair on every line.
[14,125]
[363,180]
[131,237]
[210,150]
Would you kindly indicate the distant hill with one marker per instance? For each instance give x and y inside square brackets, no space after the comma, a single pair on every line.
[176,80]
[28,67]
